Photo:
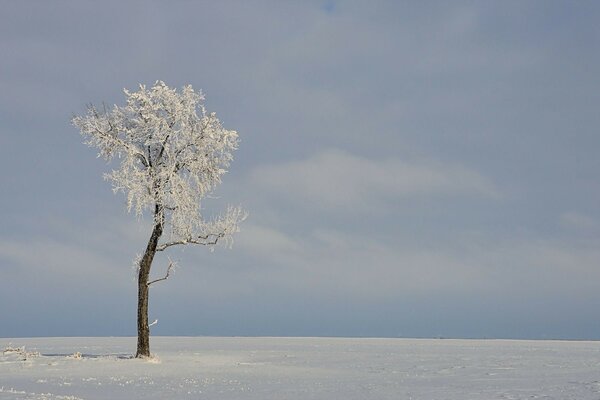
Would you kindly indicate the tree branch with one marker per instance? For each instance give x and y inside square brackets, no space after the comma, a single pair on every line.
[204,240]
[111,135]
[162,148]
[169,268]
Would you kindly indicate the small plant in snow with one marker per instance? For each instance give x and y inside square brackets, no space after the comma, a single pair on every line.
[9,349]
[77,355]
[20,351]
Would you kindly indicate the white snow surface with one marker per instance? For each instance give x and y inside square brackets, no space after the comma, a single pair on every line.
[299,368]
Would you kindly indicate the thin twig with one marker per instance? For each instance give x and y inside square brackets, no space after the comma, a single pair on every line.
[169,268]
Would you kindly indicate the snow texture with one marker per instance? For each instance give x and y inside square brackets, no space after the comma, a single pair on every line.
[299,368]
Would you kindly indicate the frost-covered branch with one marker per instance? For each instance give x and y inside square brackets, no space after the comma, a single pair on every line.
[169,268]
[101,131]
[172,152]
[207,240]
[211,233]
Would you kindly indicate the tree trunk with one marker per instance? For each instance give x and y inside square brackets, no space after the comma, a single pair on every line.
[143,342]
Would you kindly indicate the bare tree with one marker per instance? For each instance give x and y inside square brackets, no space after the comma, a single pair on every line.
[172,154]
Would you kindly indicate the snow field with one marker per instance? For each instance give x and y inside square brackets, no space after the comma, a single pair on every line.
[298,368]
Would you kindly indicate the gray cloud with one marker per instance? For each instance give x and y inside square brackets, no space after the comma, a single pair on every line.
[578,221]
[408,169]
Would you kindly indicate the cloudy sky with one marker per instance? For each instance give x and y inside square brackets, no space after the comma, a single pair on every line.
[412,169]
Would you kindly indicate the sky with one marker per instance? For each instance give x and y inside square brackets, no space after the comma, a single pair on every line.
[410,169]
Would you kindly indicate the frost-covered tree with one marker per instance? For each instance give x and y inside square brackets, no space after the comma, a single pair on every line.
[171,154]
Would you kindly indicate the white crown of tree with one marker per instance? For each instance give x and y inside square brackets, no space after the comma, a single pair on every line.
[173,154]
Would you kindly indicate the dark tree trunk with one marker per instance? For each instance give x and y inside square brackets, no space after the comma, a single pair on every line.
[143,342]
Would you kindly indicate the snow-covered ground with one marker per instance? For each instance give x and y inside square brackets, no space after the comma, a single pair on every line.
[299,368]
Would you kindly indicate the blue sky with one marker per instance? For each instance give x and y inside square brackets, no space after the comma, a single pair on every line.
[410,168]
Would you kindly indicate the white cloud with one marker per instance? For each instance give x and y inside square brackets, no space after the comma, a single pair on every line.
[266,241]
[335,179]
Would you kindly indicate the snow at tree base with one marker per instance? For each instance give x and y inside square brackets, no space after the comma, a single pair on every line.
[299,368]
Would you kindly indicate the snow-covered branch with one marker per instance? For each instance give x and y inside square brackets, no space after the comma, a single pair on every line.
[202,240]
[172,153]
[209,233]
[101,131]
[169,268]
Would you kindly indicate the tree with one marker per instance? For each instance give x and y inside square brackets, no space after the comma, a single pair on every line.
[172,154]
